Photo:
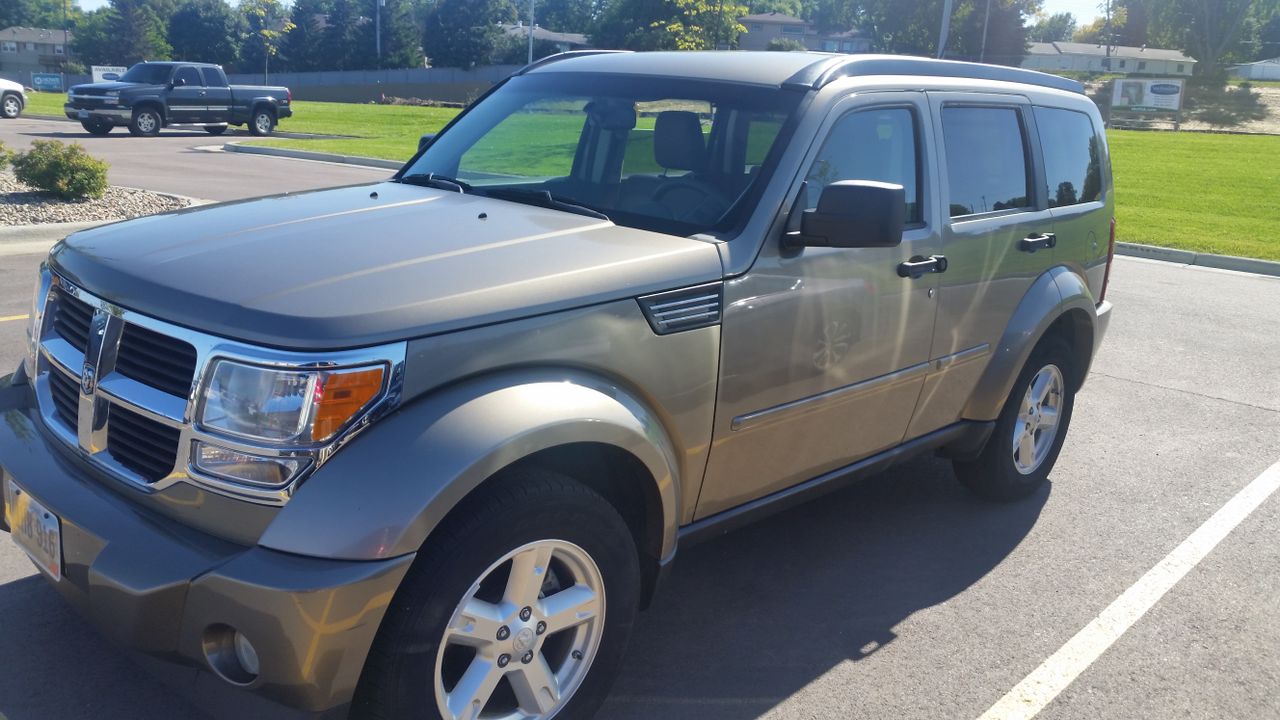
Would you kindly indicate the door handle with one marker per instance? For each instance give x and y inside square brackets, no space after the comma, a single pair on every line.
[920,265]
[203,92]
[1042,241]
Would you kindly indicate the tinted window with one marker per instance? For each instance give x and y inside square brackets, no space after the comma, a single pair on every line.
[1072,156]
[986,159]
[187,75]
[212,77]
[870,145]
[147,74]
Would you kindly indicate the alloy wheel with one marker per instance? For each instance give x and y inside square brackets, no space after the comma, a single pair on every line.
[1037,424]
[11,107]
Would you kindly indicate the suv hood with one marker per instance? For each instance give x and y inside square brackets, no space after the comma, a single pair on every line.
[370,264]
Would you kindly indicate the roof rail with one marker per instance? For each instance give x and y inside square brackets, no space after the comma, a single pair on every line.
[564,56]
[825,71]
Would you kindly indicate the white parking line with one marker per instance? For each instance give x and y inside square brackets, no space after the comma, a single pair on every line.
[1054,675]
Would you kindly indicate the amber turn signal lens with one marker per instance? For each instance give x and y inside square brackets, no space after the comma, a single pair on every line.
[340,396]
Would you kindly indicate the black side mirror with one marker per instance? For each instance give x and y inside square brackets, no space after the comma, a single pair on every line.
[425,140]
[854,214]
[178,82]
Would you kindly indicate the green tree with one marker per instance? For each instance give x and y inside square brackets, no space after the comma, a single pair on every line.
[464,33]
[668,24]
[347,40]
[1058,27]
[303,48]
[139,33]
[794,8]
[1212,30]
[401,38]
[575,16]
[94,41]
[785,45]
[206,31]
[266,24]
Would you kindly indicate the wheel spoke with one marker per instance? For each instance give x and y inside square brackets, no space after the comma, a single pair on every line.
[528,571]
[570,607]
[475,624]
[1048,418]
[1043,384]
[536,687]
[1027,449]
[473,690]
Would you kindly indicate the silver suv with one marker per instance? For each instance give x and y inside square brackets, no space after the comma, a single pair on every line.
[423,448]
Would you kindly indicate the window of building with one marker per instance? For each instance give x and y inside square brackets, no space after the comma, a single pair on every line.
[8,46]
[987,167]
[877,144]
[756,27]
[1142,65]
[1179,67]
[792,29]
[1123,63]
[31,47]
[1072,156]
[829,45]
[846,46]
[58,50]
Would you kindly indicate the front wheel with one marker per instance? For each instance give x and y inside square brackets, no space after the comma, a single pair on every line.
[262,123]
[145,123]
[10,107]
[519,607]
[1030,430]
[96,127]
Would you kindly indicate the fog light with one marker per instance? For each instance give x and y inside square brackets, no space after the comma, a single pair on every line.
[246,654]
[257,470]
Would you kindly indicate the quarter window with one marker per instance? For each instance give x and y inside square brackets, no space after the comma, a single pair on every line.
[986,159]
[878,144]
[1072,156]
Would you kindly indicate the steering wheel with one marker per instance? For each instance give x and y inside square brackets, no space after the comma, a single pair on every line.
[709,207]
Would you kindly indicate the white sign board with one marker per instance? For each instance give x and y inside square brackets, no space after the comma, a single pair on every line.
[107,73]
[1159,95]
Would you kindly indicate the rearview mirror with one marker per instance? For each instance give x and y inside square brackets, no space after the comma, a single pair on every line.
[854,214]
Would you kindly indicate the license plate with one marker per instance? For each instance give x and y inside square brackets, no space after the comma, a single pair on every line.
[84,114]
[34,528]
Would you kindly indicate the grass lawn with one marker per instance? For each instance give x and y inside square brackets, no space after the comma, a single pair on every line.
[45,103]
[1198,191]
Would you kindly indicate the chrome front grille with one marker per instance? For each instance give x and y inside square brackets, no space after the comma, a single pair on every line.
[165,363]
[66,398]
[71,320]
[145,447]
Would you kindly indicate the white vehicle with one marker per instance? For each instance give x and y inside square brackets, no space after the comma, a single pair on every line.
[12,99]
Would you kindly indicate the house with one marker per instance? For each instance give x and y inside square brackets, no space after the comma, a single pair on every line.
[1260,70]
[1090,57]
[564,42]
[763,28]
[25,50]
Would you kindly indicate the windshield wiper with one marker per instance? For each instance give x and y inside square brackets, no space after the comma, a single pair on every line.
[439,182]
[543,198]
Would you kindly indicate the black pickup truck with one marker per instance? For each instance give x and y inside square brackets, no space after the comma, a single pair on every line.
[152,95]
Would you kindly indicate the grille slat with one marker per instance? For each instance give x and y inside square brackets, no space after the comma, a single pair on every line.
[66,397]
[142,445]
[72,321]
[162,362]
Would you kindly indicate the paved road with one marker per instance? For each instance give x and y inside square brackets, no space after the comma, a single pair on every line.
[172,163]
[904,597]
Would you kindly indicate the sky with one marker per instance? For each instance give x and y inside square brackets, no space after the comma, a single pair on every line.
[1084,10]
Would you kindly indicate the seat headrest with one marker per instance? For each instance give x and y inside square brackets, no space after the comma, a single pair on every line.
[678,143]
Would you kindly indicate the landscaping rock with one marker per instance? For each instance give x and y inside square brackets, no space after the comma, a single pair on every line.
[22,205]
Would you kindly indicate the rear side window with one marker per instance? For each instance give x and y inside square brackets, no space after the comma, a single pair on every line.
[187,75]
[212,77]
[986,159]
[877,144]
[1072,156]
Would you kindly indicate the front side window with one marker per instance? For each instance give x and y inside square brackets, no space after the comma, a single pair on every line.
[666,154]
[188,76]
[987,167]
[1072,156]
[878,144]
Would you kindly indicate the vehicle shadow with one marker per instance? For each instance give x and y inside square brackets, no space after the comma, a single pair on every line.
[750,618]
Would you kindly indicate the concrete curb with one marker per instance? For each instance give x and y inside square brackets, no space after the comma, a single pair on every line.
[1186,257]
[309,155]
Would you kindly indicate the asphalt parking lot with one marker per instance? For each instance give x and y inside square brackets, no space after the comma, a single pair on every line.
[904,597]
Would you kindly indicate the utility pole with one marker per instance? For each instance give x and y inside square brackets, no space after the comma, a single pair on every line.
[946,28]
[377,28]
[531,31]
[1107,39]
[986,20]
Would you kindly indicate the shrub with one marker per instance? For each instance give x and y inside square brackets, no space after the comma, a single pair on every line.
[785,45]
[67,171]
[5,156]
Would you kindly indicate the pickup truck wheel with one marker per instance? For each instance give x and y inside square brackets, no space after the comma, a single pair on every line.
[518,607]
[96,127]
[263,122]
[1030,430]
[10,107]
[215,129]
[146,122]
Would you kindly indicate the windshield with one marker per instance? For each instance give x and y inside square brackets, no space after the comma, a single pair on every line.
[147,74]
[663,154]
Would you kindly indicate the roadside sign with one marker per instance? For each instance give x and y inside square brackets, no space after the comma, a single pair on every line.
[1148,95]
[107,73]
[47,82]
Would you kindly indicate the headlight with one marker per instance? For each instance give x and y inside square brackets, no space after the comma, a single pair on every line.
[284,406]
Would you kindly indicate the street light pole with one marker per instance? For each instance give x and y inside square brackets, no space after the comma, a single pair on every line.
[377,29]
[946,28]
[986,20]
[530,31]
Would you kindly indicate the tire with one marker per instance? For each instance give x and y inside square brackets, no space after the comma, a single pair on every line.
[215,129]
[262,123]
[146,122]
[1007,468]
[411,665]
[96,127]
[10,106]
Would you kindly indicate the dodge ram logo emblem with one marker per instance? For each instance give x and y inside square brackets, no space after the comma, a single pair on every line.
[524,640]
[88,379]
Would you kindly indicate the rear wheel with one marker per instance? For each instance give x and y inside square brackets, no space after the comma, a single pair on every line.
[96,126]
[1030,430]
[146,122]
[518,609]
[215,129]
[262,123]
[10,107]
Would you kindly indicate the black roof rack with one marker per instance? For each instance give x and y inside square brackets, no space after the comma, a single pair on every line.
[841,66]
[564,56]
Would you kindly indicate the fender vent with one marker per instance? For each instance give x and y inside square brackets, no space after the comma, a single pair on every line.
[686,309]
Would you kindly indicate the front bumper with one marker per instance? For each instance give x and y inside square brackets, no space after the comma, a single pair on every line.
[162,589]
[117,116]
